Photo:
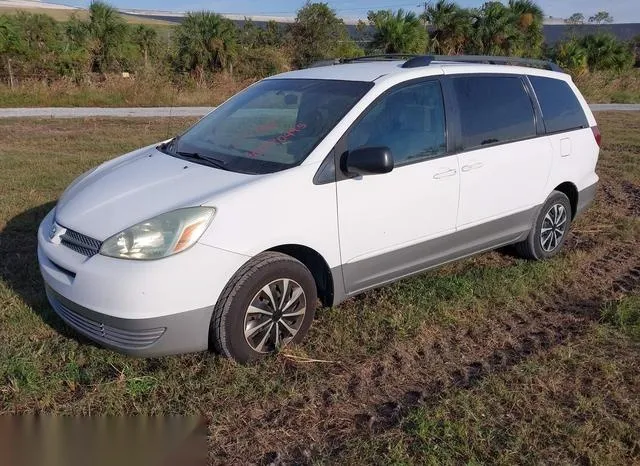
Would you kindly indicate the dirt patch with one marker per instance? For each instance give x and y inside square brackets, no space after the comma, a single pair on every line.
[421,376]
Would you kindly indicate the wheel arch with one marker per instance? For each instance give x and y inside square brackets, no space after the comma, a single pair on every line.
[318,267]
[571,191]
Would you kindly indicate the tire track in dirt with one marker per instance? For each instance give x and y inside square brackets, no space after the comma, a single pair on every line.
[549,320]
[358,399]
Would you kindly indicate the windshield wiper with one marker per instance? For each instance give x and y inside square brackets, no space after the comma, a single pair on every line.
[165,145]
[208,160]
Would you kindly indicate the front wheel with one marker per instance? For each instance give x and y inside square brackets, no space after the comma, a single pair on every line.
[550,229]
[269,303]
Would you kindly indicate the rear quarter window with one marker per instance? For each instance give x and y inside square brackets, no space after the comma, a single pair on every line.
[493,110]
[561,110]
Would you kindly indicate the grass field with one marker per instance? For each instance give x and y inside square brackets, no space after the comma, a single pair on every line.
[489,360]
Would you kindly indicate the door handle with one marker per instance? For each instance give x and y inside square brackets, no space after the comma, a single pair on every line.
[444,174]
[472,166]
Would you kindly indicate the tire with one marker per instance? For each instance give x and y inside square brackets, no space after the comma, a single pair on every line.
[539,245]
[237,331]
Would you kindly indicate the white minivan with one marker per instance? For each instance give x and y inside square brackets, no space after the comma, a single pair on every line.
[310,187]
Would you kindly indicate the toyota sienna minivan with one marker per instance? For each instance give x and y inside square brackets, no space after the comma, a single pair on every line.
[310,187]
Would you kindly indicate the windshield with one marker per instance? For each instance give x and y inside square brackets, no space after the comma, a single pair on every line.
[271,126]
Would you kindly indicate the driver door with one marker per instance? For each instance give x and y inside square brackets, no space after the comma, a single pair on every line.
[388,223]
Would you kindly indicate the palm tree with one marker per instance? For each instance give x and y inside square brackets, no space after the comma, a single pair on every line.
[451,25]
[605,52]
[206,41]
[146,38]
[529,16]
[397,33]
[108,32]
[571,56]
[495,31]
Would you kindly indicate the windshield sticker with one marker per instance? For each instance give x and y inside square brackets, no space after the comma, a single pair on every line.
[282,139]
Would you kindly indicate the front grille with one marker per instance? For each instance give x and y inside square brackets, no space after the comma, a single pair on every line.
[78,242]
[127,339]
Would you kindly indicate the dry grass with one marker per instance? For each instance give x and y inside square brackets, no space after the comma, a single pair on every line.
[115,91]
[155,90]
[471,344]
[610,87]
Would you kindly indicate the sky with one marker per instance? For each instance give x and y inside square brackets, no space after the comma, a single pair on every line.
[623,11]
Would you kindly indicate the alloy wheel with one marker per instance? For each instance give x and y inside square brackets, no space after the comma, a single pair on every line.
[275,315]
[553,228]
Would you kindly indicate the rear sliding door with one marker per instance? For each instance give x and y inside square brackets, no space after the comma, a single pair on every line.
[504,165]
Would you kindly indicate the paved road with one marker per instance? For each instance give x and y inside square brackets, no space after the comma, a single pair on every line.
[82,112]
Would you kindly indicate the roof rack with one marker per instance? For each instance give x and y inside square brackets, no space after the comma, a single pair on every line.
[415,61]
[425,60]
[381,57]
[365,58]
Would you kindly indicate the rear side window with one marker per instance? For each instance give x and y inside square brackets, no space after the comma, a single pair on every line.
[493,109]
[561,110]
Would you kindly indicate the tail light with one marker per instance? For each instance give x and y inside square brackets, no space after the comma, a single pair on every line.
[597,135]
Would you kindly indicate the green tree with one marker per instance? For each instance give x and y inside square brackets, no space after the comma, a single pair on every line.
[451,27]
[528,16]
[496,31]
[42,40]
[10,44]
[206,41]
[146,38]
[9,37]
[249,35]
[315,34]
[252,36]
[272,35]
[399,32]
[601,17]
[108,32]
[576,18]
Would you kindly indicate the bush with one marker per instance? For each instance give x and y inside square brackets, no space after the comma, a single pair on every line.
[605,52]
[261,62]
[598,52]
[571,56]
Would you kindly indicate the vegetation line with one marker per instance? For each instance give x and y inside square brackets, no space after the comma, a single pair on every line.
[100,59]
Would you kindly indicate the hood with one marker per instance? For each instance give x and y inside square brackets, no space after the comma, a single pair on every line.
[136,187]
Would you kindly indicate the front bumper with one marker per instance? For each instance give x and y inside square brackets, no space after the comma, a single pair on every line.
[155,336]
[143,308]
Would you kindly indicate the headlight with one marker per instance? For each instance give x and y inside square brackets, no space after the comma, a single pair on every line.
[160,236]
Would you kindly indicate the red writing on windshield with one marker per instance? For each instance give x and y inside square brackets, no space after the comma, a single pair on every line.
[284,137]
[266,127]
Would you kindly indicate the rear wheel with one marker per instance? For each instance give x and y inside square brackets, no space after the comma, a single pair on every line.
[550,229]
[269,303]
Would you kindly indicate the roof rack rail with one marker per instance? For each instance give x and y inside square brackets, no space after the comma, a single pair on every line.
[384,56]
[330,62]
[425,60]
[365,58]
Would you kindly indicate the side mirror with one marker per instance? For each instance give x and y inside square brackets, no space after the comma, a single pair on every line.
[368,161]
